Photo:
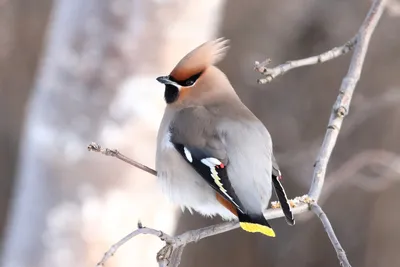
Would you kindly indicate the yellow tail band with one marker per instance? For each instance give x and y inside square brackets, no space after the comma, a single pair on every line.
[257,228]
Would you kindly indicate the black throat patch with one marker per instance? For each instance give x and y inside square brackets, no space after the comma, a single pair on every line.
[171,93]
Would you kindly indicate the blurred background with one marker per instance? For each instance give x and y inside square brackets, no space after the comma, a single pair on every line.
[74,71]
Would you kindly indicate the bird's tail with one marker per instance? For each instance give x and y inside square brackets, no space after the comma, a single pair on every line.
[255,223]
[280,193]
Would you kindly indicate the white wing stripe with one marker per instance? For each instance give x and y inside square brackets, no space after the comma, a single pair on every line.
[188,154]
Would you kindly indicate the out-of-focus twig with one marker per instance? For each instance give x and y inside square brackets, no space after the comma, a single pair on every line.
[170,255]
[390,161]
[393,8]
[368,108]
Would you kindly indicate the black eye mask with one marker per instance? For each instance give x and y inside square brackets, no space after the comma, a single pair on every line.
[188,82]
[171,93]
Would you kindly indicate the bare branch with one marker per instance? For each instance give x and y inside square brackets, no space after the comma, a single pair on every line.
[141,230]
[272,73]
[177,256]
[362,35]
[341,107]
[195,235]
[171,254]
[341,254]
[115,153]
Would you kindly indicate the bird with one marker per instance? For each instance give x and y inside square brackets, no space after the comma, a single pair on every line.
[213,154]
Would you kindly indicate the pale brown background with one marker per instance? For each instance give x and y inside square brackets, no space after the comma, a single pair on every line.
[76,71]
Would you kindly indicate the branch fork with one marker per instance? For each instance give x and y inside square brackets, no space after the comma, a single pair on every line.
[170,254]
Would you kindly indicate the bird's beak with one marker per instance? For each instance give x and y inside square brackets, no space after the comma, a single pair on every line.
[163,80]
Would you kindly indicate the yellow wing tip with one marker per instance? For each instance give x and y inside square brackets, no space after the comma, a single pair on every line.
[257,228]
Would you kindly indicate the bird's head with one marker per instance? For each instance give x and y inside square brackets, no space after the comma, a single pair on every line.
[195,80]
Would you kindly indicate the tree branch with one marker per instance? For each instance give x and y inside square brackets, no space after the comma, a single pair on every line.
[341,254]
[363,35]
[170,255]
[115,153]
[272,73]
[342,105]
[141,230]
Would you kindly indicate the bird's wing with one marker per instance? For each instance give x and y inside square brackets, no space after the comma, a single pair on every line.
[280,192]
[212,170]
[203,149]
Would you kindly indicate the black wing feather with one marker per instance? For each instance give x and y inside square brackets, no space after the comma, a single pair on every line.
[280,193]
[225,188]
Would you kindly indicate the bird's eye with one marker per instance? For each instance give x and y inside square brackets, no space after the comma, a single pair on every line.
[189,82]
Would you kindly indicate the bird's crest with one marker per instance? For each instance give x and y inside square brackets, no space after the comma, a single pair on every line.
[196,61]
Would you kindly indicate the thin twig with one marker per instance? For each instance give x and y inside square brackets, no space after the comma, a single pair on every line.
[115,153]
[140,231]
[341,254]
[170,255]
[272,73]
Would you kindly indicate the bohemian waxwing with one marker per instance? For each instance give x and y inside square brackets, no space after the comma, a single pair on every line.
[213,154]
